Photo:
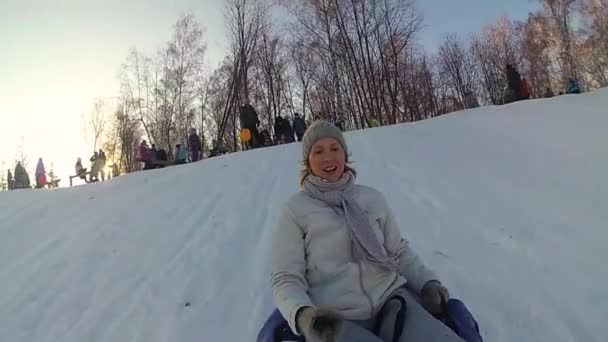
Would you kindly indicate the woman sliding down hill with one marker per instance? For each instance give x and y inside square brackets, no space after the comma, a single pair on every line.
[340,265]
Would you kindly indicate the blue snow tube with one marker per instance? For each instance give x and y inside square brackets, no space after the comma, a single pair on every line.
[461,321]
[276,329]
[456,316]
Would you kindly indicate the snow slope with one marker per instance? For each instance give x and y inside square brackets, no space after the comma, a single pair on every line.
[509,204]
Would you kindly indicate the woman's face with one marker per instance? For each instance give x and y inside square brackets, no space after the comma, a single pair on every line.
[327,159]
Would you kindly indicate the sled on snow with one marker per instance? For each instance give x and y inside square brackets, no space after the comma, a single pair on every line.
[456,316]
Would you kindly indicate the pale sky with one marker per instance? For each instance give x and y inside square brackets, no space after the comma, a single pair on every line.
[57,56]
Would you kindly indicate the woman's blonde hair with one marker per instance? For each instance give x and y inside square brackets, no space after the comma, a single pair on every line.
[306,171]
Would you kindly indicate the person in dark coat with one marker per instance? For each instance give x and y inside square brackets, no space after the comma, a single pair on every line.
[250,120]
[266,139]
[153,154]
[9,180]
[514,82]
[525,89]
[162,158]
[299,126]
[217,150]
[22,179]
[144,155]
[283,130]
[194,145]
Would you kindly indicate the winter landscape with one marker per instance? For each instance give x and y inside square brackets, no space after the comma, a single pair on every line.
[490,149]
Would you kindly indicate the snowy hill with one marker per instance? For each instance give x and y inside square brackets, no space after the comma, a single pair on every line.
[509,204]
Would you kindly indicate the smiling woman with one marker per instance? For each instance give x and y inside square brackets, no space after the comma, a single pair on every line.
[339,258]
[324,153]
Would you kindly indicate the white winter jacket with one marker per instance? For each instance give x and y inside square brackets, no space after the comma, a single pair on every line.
[314,263]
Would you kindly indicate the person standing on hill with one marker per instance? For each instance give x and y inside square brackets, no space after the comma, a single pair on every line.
[40,174]
[22,179]
[145,155]
[283,130]
[339,262]
[94,175]
[101,161]
[525,89]
[250,120]
[180,154]
[514,82]
[194,145]
[299,126]
[9,180]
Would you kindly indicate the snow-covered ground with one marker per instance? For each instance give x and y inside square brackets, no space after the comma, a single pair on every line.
[509,204]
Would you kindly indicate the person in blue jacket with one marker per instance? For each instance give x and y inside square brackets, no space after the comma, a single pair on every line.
[573,87]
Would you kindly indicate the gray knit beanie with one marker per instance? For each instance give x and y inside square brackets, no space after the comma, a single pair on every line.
[318,130]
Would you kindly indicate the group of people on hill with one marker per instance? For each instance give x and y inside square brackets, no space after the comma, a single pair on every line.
[20,179]
[98,167]
[519,88]
[284,131]
[153,158]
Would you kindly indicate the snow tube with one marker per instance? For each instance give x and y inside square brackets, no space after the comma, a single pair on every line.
[457,317]
[276,329]
[461,321]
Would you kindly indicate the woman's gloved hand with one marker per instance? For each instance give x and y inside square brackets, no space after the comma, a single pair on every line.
[319,325]
[433,295]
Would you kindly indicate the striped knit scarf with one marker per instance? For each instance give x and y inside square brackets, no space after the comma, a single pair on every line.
[340,197]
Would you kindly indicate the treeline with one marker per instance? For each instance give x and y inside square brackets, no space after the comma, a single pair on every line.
[349,61]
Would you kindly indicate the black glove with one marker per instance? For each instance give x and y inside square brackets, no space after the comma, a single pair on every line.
[434,295]
[319,325]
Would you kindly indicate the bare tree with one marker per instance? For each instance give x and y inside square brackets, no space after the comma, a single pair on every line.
[560,12]
[594,14]
[497,47]
[302,62]
[186,53]
[536,49]
[21,156]
[245,20]
[457,68]
[94,123]
[4,178]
